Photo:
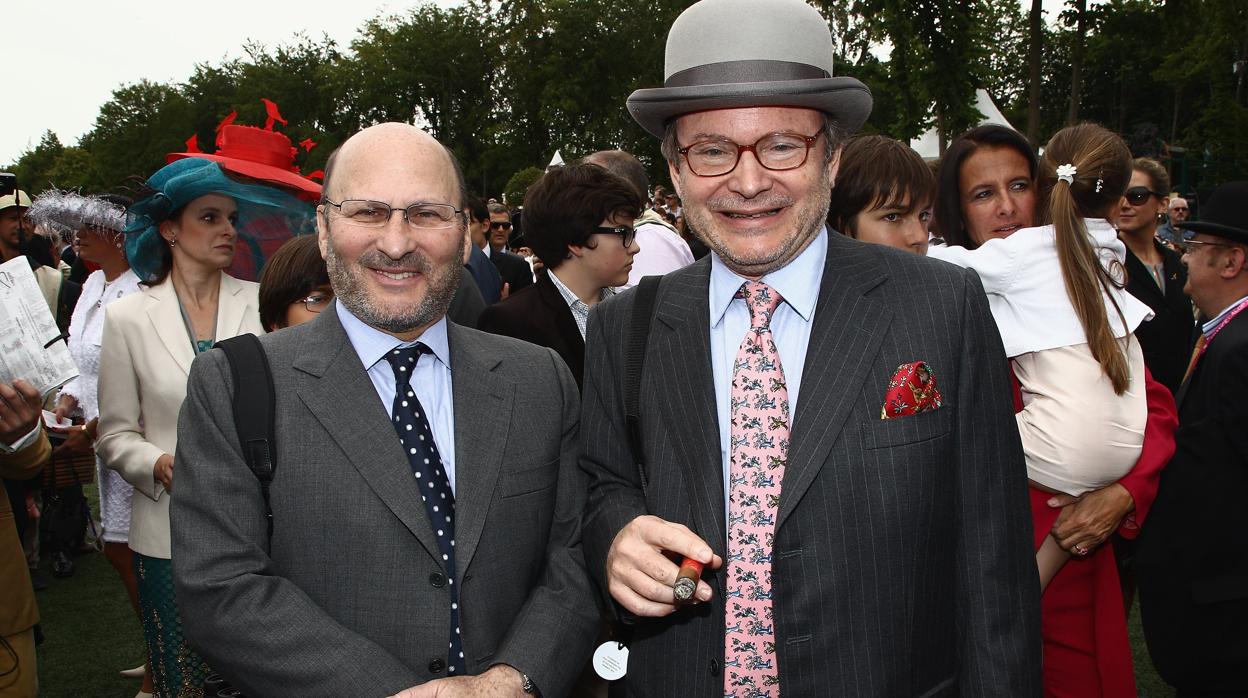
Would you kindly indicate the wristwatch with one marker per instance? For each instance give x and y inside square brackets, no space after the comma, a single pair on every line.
[528,686]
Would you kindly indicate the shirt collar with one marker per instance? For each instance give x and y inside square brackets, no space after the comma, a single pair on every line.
[1213,324]
[569,296]
[371,344]
[797,282]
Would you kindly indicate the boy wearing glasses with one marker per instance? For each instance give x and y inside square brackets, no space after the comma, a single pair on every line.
[579,222]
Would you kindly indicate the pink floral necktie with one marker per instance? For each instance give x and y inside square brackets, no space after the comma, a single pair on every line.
[757,452]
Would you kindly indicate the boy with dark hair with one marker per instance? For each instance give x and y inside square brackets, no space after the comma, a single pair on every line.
[884,194]
[580,224]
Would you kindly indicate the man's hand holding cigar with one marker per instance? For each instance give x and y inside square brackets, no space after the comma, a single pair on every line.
[640,570]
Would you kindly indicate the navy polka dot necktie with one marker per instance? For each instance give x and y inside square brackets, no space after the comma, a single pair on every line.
[435,488]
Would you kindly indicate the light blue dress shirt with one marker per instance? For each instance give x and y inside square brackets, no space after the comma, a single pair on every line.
[798,284]
[431,379]
[1212,325]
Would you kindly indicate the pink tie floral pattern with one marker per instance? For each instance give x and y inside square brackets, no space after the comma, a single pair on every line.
[758,449]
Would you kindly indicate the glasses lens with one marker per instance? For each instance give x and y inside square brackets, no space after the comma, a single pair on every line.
[781,151]
[1138,195]
[500,226]
[430,215]
[627,233]
[317,302]
[709,158]
[365,212]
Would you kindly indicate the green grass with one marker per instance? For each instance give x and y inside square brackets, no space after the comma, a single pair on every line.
[91,634]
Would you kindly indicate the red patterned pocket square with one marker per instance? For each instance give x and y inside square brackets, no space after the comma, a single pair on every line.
[912,390]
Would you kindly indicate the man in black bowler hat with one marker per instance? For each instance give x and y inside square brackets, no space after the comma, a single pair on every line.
[1192,564]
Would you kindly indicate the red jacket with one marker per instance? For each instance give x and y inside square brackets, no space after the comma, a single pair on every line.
[1082,621]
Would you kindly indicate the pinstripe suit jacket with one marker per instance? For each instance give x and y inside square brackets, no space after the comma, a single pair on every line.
[902,558]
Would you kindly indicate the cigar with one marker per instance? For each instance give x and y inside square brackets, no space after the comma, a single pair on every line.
[687,580]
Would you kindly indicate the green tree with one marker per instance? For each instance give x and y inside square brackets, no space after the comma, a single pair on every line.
[518,185]
[136,129]
[433,67]
[74,170]
[34,167]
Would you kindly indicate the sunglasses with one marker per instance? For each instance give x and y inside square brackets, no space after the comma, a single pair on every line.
[500,225]
[1138,195]
[626,233]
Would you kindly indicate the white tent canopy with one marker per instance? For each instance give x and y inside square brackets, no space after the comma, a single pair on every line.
[928,144]
[556,161]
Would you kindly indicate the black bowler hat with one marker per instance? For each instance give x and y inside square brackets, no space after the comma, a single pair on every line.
[1225,214]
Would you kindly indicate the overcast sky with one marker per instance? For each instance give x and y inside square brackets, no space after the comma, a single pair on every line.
[65,57]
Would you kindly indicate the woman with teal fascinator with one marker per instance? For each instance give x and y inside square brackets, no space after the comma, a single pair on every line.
[183,233]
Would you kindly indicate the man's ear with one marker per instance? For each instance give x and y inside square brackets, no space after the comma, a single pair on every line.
[834,165]
[673,172]
[575,252]
[322,230]
[1234,261]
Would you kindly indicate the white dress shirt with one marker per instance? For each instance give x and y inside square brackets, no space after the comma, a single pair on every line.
[661,249]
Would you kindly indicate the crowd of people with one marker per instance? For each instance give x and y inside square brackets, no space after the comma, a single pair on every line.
[489,441]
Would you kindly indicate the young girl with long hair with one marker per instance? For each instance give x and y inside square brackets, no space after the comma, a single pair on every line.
[1056,293]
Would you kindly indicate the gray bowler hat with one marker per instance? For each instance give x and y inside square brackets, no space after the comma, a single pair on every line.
[723,54]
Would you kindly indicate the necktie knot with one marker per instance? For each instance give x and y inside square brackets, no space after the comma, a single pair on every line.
[761,300]
[403,361]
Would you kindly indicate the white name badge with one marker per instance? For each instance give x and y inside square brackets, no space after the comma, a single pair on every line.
[611,660]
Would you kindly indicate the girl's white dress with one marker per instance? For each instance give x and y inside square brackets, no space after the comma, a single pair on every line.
[1078,435]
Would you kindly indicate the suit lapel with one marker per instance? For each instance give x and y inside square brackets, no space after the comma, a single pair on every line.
[344,401]
[483,404]
[564,323]
[845,337]
[232,306]
[680,353]
[166,319]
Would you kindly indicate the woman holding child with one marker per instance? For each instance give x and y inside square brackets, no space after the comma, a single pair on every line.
[1060,276]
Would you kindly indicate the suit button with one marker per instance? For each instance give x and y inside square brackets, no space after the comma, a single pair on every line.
[436,666]
[437,580]
[714,667]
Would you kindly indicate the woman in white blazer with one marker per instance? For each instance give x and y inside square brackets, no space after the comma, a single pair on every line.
[182,238]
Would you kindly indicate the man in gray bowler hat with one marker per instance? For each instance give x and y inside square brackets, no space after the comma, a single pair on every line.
[872,538]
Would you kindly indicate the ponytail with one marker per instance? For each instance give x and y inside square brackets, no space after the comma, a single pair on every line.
[1086,279]
[1090,188]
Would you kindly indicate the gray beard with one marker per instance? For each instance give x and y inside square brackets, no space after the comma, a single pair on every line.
[810,218]
[350,290]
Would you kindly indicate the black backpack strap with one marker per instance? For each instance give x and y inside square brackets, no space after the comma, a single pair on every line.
[634,359]
[254,410]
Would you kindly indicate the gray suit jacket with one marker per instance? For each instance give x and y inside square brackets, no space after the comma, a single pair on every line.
[347,598]
[903,561]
